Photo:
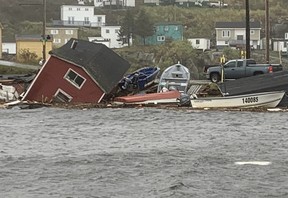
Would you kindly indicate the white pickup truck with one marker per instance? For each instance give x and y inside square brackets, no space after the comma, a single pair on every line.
[214,4]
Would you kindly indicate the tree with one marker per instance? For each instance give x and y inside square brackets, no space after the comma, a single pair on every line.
[127,27]
[144,26]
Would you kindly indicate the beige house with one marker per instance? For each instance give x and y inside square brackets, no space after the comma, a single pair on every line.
[61,35]
[1,27]
[233,34]
[31,44]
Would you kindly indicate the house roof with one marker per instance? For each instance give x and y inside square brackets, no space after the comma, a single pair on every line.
[255,24]
[61,27]
[167,23]
[104,65]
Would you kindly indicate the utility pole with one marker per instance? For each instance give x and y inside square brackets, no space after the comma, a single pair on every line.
[44,32]
[267,31]
[248,48]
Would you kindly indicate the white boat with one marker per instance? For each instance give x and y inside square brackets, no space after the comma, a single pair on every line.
[175,77]
[264,99]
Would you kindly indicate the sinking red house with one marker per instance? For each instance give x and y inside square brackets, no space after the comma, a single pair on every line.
[78,72]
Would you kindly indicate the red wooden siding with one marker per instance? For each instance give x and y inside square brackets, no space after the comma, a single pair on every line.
[51,78]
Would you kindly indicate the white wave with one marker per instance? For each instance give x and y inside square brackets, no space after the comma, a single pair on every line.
[261,163]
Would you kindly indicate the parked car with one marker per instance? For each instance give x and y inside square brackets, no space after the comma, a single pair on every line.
[239,68]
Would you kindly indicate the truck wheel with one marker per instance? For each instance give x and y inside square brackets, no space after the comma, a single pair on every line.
[215,77]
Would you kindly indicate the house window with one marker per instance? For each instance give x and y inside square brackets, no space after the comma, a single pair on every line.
[197,41]
[252,32]
[86,20]
[78,9]
[70,9]
[99,19]
[86,9]
[61,96]
[166,28]
[226,33]
[70,20]
[160,38]
[107,31]
[66,40]
[56,40]
[226,42]
[54,32]
[286,35]
[176,28]
[117,31]
[285,44]
[75,78]
[69,32]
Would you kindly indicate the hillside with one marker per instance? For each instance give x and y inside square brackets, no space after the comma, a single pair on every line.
[17,14]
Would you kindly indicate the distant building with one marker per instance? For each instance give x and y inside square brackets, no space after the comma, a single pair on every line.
[233,34]
[32,43]
[114,3]
[1,27]
[280,44]
[62,34]
[80,16]
[9,48]
[165,31]
[109,37]
[200,43]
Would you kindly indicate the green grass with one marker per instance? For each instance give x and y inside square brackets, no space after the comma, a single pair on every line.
[14,70]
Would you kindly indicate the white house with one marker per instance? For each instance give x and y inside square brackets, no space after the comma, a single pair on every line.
[233,34]
[109,37]
[280,44]
[200,43]
[9,48]
[81,15]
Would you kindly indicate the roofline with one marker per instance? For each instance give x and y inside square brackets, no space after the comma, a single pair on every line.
[62,27]
[78,5]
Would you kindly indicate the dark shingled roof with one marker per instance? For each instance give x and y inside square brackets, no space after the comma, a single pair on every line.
[255,24]
[103,64]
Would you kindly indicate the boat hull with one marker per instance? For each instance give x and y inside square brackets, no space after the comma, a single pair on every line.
[175,77]
[265,99]
[153,98]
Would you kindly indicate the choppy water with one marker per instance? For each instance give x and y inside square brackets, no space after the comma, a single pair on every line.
[142,153]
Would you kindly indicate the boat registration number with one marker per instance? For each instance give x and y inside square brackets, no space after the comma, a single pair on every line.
[250,100]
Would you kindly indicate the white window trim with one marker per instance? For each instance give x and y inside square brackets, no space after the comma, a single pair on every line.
[54,32]
[69,32]
[64,93]
[160,38]
[226,31]
[56,40]
[74,84]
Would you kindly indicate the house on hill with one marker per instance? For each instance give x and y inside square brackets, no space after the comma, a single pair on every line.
[31,44]
[165,31]
[233,34]
[110,37]
[61,34]
[78,72]
[80,16]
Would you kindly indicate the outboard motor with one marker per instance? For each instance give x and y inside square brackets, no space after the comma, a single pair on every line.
[184,100]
